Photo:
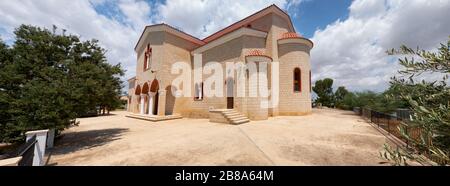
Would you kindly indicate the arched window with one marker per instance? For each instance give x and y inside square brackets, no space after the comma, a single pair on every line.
[148,55]
[198,91]
[310,88]
[297,80]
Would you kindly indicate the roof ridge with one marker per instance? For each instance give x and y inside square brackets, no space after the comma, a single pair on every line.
[239,21]
[173,27]
[221,30]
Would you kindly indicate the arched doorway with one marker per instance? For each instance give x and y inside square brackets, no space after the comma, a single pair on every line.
[145,92]
[137,92]
[154,97]
[230,92]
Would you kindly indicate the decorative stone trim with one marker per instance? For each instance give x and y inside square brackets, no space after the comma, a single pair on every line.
[299,40]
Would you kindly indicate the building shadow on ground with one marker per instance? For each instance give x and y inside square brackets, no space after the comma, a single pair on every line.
[75,141]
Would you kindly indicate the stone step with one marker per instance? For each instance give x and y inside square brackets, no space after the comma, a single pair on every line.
[233,114]
[154,118]
[229,111]
[238,117]
[229,116]
[237,122]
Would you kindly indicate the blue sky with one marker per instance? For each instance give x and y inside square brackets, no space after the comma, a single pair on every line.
[310,16]
[317,14]
[350,37]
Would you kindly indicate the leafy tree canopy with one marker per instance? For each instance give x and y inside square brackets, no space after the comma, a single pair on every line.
[47,80]
[323,89]
[430,102]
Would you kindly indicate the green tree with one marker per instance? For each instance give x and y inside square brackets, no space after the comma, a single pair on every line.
[392,99]
[385,102]
[323,89]
[430,102]
[339,96]
[6,107]
[49,79]
[349,101]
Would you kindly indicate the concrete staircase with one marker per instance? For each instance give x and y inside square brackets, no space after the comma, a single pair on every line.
[234,117]
[228,116]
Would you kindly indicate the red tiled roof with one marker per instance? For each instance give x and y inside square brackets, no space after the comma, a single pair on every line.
[224,31]
[288,35]
[293,35]
[240,24]
[188,37]
[257,53]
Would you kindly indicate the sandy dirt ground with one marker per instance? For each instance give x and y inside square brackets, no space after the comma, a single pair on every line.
[327,137]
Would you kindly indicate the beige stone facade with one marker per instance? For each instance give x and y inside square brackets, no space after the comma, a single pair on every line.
[266,36]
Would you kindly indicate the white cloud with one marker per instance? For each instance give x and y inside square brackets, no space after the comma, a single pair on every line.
[367,8]
[117,24]
[137,13]
[352,51]
[202,18]
[81,18]
[294,3]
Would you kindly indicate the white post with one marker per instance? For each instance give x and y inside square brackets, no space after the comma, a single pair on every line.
[50,138]
[128,103]
[142,104]
[150,104]
[39,150]
[200,91]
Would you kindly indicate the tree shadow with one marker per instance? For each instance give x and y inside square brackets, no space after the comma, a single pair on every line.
[350,114]
[97,115]
[75,141]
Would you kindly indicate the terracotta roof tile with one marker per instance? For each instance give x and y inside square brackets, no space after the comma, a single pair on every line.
[255,53]
[223,31]
[240,24]
[288,35]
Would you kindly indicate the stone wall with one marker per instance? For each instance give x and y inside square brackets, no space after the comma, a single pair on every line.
[294,55]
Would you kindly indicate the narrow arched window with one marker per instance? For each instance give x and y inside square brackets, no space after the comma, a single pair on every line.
[145,62]
[297,80]
[310,88]
[148,55]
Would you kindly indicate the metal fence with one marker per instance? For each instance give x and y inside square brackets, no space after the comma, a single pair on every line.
[27,152]
[392,125]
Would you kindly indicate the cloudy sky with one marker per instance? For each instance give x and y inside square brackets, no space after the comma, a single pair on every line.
[350,37]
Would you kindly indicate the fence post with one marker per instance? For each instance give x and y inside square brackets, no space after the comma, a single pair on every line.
[407,140]
[388,126]
[39,150]
[371,116]
[376,118]
[50,138]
